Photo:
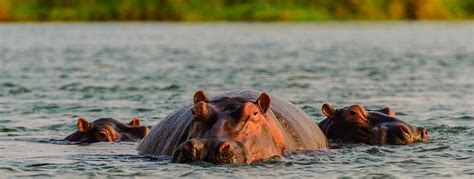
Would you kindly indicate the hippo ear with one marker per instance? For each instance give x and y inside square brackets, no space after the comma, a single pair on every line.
[264,101]
[200,96]
[388,111]
[327,110]
[83,125]
[135,122]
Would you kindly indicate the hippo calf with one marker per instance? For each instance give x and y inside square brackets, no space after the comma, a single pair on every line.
[357,124]
[107,130]
[236,127]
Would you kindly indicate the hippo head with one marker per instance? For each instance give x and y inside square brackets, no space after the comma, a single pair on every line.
[357,124]
[229,130]
[107,130]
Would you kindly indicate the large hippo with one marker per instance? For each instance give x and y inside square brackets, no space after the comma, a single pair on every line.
[107,130]
[358,124]
[236,127]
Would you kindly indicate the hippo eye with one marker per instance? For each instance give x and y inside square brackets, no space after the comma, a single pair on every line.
[103,134]
[255,113]
[352,112]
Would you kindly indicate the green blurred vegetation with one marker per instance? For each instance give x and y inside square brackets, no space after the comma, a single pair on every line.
[232,10]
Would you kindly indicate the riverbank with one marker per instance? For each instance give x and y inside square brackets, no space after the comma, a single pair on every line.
[236,10]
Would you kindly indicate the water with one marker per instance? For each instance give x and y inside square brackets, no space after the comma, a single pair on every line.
[51,74]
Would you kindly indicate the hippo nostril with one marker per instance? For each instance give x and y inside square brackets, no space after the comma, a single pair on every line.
[188,146]
[224,147]
[231,152]
[189,151]
[424,133]
[404,129]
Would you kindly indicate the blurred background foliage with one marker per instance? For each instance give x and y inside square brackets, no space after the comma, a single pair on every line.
[233,10]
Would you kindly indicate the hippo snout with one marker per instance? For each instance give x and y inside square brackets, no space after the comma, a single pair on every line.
[189,151]
[218,152]
[423,134]
[231,153]
[400,134]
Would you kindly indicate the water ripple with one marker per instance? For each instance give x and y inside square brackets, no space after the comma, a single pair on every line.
[423,71]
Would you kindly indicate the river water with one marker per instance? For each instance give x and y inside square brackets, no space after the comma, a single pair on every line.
[51,74]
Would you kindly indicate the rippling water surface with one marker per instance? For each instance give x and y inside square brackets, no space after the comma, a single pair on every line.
[50,74]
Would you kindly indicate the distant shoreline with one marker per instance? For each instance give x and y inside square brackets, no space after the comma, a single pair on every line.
[443,21]
[232,10]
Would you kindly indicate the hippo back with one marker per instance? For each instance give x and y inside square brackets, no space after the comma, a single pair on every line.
[300,128]
[300,132]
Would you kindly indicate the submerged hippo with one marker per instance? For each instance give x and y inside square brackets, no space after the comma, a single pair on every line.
[236,127]
[107,130]
[357,124]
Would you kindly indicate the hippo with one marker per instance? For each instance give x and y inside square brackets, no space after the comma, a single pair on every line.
[357,124]
[107,130]
[239,127]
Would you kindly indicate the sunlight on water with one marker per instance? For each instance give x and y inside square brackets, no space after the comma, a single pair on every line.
[51,74]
